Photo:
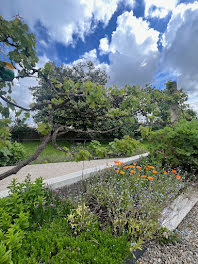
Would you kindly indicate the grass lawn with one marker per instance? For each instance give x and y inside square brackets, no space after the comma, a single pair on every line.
[52,155]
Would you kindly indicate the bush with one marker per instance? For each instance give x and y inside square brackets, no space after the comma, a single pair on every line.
[125,147]
[177,146]
[11,153]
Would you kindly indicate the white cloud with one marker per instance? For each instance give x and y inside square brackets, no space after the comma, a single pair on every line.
[21,93]
[63,18]
[180,43]
[159,8]
[104,46]
[133,51]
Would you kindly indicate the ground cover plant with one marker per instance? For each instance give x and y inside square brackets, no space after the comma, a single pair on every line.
[111,216]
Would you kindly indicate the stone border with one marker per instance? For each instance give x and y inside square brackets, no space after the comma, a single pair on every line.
[173,215]
[74,177]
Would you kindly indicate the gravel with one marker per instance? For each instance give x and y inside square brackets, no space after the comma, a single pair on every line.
[183,252]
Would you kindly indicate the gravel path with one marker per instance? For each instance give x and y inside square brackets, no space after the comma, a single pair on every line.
[184,252]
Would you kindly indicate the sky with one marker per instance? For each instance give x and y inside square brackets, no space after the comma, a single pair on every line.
[138,42]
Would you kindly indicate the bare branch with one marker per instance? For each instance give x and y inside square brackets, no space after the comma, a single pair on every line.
[36,106]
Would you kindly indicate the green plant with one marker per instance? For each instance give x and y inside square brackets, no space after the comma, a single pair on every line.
[177,146]
[126,146]
[11,153]
[97,149]
[5,256]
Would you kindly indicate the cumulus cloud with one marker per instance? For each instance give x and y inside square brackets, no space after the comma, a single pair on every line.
[180,42]
[63,18]
[104,46]
[21,93]
[159,8]
[133,51]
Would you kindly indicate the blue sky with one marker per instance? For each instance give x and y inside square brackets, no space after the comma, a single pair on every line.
[136,41]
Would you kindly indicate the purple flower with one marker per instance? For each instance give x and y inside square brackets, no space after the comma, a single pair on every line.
[52,205]
[56,191]
[43,203]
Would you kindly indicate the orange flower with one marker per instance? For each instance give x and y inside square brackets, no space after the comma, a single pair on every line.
[147,169]
[116,167]
[165,172]
[154,172]
[138,167]
[125,167]
[107,164]
[122,172]
[132,171]
[151,167]
[119,164]
[178,177]
[134,163]
[173,171]
[117,171]
[116,161]
[138,175]
[132,167]
[143,176]
[150,178]
[122,163]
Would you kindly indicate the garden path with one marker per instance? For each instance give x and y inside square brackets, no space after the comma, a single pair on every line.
[49,170]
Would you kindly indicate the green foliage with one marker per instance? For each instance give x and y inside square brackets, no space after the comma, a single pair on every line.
[59,246]
[11,153]
[23,52]
[97,149]
[145,131]
[82,154]
[43,128]
[5,256]
[125,147]
[177,146]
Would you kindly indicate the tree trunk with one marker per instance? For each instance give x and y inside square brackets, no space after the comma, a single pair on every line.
[22,164]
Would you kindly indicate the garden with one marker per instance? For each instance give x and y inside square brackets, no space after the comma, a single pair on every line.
[110,215]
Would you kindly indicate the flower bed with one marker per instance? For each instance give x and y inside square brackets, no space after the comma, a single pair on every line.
[112,215]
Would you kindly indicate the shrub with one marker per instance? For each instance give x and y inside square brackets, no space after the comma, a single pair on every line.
[11,153]
[125,147]
[177,146]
